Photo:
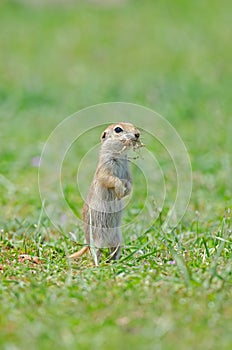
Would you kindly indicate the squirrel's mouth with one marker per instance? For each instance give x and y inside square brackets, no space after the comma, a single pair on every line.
[137,144]
[133,143]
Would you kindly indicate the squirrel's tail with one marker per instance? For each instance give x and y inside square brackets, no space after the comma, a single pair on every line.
[78,254]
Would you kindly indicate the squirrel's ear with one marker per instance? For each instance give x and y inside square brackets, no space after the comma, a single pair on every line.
[103,136]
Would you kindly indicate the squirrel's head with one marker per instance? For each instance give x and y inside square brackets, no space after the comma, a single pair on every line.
[121,137]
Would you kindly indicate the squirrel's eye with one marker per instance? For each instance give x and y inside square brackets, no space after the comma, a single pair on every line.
[118,130]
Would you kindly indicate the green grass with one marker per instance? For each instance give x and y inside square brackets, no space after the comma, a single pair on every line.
[168,291]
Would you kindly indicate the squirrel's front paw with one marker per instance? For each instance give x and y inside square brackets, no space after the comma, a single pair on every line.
[120,189]
[127,187]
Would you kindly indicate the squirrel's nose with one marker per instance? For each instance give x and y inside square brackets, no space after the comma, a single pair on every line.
[137,135]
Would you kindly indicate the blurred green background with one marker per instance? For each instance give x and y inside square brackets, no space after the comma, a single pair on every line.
[57,57]
[174,57]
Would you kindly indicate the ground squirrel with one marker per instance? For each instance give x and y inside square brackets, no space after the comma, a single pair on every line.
[102,211]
